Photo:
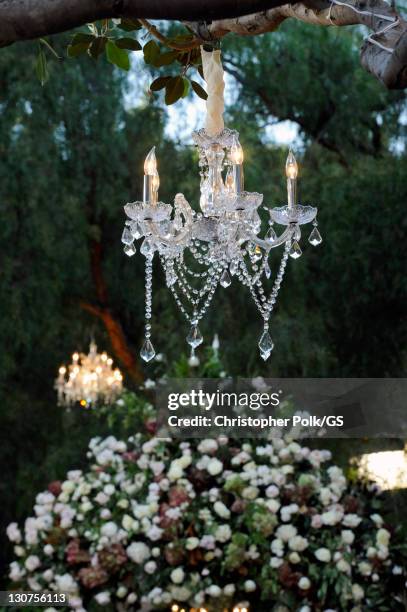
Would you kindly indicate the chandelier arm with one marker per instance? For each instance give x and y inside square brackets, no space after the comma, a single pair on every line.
[288,234]
[173,241]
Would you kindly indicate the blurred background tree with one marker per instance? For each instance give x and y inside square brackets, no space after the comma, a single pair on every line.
[72,155]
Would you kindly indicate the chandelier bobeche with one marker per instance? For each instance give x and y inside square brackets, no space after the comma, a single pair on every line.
[90,379]
[201,250]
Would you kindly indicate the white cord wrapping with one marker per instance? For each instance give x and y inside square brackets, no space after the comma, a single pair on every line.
[215,104]
[394,21]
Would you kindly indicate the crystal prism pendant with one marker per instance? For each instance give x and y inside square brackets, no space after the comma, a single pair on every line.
[295,251]
[148,351]
[265,345]
[267,270]
[233,268]
[127,237]
[194,337]
[315,237]
[130,249]
[135,231]
[225,279]
[147,248]
[271,235]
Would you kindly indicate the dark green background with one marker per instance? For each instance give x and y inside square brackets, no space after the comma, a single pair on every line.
[72,155]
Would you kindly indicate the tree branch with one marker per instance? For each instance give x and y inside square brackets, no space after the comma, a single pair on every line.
[389,67]
[117,338]
[212,19]
[28,19]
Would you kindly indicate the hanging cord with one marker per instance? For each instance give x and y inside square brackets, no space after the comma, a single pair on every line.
[394,22]
[215,85]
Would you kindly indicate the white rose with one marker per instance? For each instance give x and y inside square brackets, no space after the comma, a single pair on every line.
[109,529]
[223,533]
[221,510]
[357,592]
[383,537]
[351,520]
[109,489]
[128,522]
[272,491]
[65,583]
[32,562]
[277,547]
[150,567]
[207,446]
[214,467]
[365,568]
[304,583]
[332,517]
[275,562]
[343,566]
[175,472]
[123,503]
[103,598]
[249,586]
[298,543]
[250,493]
[229,590]
[177,575]
[138,552]
[16,571]
[273,505]
[192,543]
[13,533]
[371,552]
[214,591]
[294,557]
[347,536]
[48,575]
[323,554]
[121,592]
[68,486]
[377,519]
[286,532]
[185,460]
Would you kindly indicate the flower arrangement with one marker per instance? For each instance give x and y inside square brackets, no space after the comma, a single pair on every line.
[214,524]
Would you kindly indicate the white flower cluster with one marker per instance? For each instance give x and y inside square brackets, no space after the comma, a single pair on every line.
[181,521]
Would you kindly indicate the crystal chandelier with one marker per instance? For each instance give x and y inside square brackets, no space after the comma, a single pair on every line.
[201,250]
[89,379]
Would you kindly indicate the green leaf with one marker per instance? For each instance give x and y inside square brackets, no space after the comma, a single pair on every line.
[129,25]
[186,87]
[164,59]
[151,51]
[128,43]
[116,56]
[81,37]
[159,83]
[42,67]
[97,47]
[75,50]
[174,90]
[199,90]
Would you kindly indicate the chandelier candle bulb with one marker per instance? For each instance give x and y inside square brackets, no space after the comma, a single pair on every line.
[151,178]
[291,170]
[236,156]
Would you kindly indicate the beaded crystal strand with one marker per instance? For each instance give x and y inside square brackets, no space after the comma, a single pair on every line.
[148,352]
